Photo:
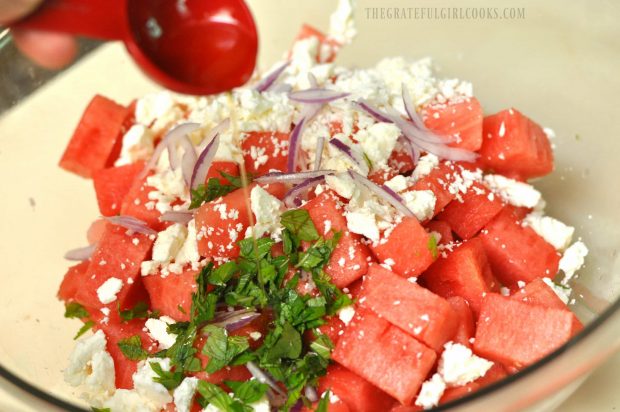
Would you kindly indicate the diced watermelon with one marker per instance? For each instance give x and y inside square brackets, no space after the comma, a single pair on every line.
[516,146]
[95,231]
[222,223]
[462,119]
[469,215]
[172,295]
[257,326]
[408,246]
[400,161]
[466,327]
[113,184]
[464,272]
[265,151]
[95,138]
[230,168]
[308,31]
[414,309]
[496,373]
[458,392]
[72,281]
[134,204]
[355,288]
[118,255]
[517,253]
[444,230]
[408,408]
[349,261]
[356,392]
[333,329]
[334,405]
[517,334]
[384,355]
[438,181]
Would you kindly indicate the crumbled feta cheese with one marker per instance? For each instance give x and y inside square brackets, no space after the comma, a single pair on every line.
[516,193]
[169,187]
[431,392]
[153,392]
[137,145]
[425,166]
[184,394]
[562,292]
[158,111]
[552,230]
[346,314]
[378,142]
[421,203]
[572,260]
[169,242]
[459,366]
[363,222]
[341,22]
[157,330]
[267,210]
[343,184]
[125,400]
[398,183]
[109,289]
[92,369]
[189,251]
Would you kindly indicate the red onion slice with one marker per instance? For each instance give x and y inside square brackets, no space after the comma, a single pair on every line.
[318,153]
[83,253]
[293,146]
[262,377]
[293,198]
[234,320]
[311,394]
[177,216]
[414,153]
[293,178]
[373,111]
[266,83]
[172,136]
[355,157]
[388,195]
[316,95]
[201,168]
[410,109]
[130,223]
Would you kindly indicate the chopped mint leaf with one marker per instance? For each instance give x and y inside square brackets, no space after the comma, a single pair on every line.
[222,274]
[182,352]
[236,181]
[203,303]
[287,345]
[248,391]
[323,405]
[139,311]
[214,395]
[211,191]
[132,348]
[255,249]
[221,348]
[169,379]
[323,346]
[85,328]
[432,246]
[92,408]
[299,223]
[319,253]
[75,310]
[367,160]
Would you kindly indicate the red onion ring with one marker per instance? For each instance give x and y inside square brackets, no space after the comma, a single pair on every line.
[351,154]
[82,253]
[266,83]
[130,223]
[275,177]
[293,197]
[201,168]
[172,136]
[234,320]
[382,192]
[293,146]
[373,111]
[318,153]
[177,216]
[316,95]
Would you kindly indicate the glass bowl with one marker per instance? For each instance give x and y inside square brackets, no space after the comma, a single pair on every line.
[556,61]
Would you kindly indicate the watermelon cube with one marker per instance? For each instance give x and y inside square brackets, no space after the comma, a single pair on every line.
[464,272]
[265,151]
[135,204]
[438,181]
[96,137]
[514,145]
[462,119]
[72,281]
[333,329]
[349,260]
[466,326]
[417,311]
[384,355]
[517,334]
[117,255]
[468,215]
[327,45]
[113,184]
[356,392]
[517,253]
[408,248]
[230,168]
[172,295]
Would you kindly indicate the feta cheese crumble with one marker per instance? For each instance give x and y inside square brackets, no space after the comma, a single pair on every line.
[511,191]
[346,314]
[267,210]
[458,365]
[572,260]
[157,330]
[183,395]
[431,392]
[109,289]
[556,233]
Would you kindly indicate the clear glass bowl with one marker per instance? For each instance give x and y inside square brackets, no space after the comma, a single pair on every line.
[558,65]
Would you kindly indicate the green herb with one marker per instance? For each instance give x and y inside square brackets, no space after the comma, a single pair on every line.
[203,303]
[92,408]
[182,352]
[221,275]
[248,391]
[432,246]
[214,189]
[323,346]
[139,311]
[286,345]
[323,403]
[367,160]
[169,379]
[214,395]
[221,348]
[85,328]
[75,310]
[132,348]
[299,223]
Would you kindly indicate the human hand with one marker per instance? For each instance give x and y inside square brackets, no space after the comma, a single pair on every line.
[47,49]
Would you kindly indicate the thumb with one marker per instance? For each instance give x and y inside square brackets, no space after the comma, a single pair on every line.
[12,10]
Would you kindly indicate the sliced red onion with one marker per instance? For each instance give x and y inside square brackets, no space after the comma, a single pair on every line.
[311,394]
[410,109]
[83,253]
[316,95]
[201,168]
[351,154]
[268,81]
[414,153]
[235,319]
[373,111]
[189,159]
[171,137]
[220,128]
[275,177]
[293,146]
[263,377]
[293,198]
[388,195]
[131,223]
[177,216]
[281,88]
[318,153]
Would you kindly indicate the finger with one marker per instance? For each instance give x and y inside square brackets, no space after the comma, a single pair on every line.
[11,10]
[50,50]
